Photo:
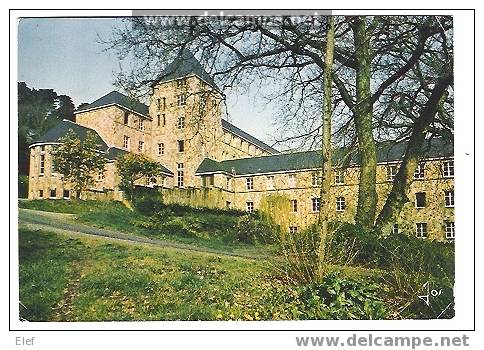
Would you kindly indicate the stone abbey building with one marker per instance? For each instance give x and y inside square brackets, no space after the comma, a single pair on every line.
[206,160]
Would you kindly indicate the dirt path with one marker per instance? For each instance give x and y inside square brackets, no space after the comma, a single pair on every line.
[65,223]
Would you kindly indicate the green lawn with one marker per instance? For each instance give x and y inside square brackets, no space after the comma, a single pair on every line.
[213,230]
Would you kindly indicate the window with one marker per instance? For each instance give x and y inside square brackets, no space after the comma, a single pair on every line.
[181,100]
[270,182]
[316,179]
[250,183]
[158,120]
[180,174]
[100,175]
[449,230]
[126,142]
[208,180]
[180,83]
[161,148]
[42,148]
[294,205]
[228,183]
[126,118]
[316,204]
[228,204]
[42,164]
[141,146]
[163,119]
[181,145]
[420,200]
[53,193]
[449,198]
[340,203]
[41,193]
[161,102]
[292,180]
[419,172]
[395,229]
[339,177]
[141,124]
[421,230]
[181,123]
[448,169]
[249,206]
[292,230]
[391,172]
[66,194]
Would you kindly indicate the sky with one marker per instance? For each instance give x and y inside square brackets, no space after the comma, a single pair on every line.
[64,54]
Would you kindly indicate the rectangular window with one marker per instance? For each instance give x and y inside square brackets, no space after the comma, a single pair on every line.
[340,203]
[249,206]
[294,205]
[163,119]
[100,176]
[339,177]
[126,142]
[141,146]
[53,193]
[421,230]
[292,230]
[158,120]
[126,118]
[42,164]
[208,180]
[161,148]
[448,169]
[41,193]
[316,179]
[181,123]
[161,103]
[270,182]
[419,172]
[449,198]
[42,148]
[228,204]
[391,172]
[395,229]
[250,183]
[316,204]
[181,145]
[181,99]
[449,230]
[180,83]
[228,184]
[141,124]
[66,194]
[180,174]
[292,180]
[420,200]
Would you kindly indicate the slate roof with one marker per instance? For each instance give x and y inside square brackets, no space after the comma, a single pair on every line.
[60,130]
[387,152]
[183,65]
[242,134]
[115,97]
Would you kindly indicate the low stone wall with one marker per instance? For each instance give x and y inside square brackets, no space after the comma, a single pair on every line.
[196,197]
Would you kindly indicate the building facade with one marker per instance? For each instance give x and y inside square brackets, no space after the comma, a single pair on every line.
[184,130]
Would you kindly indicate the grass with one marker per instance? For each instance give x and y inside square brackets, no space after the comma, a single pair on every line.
[213,230]
[93,279]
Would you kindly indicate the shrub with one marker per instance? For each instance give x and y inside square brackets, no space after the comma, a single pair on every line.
[23,186]
[251,229]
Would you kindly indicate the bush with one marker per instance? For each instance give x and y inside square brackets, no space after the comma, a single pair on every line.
[23,186]
[251,229]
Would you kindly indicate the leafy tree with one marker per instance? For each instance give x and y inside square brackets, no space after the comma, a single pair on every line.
[78,160]
[133,167]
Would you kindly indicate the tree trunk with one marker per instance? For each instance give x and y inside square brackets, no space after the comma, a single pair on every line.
[326,146]
[363,115]
[399,193]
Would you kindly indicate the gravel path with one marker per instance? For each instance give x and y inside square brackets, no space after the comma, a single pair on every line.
[65,223]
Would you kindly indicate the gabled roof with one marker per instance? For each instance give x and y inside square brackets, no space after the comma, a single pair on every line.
[183,65]
[115,97]
[60,130]
[386,152]
[242,134]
